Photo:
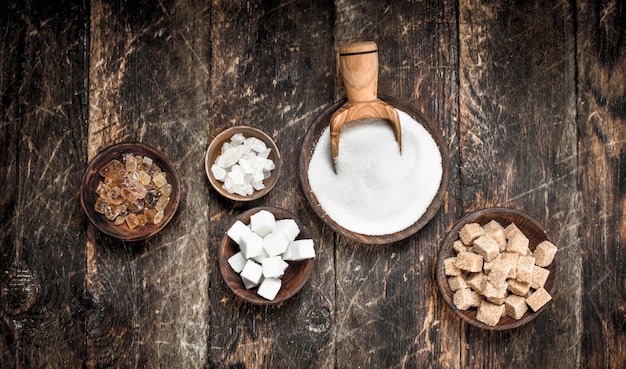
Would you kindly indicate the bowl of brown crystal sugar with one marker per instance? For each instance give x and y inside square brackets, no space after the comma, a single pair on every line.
[130,191]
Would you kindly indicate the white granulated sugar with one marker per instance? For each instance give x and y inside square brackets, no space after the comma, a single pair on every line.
[377,189]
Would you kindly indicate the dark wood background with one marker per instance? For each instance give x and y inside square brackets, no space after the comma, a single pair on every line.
[530,97]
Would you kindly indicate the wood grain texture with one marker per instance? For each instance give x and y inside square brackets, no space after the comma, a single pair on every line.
[149,83]
[601,122]
[272,68]
[518,149]
[530,100]
[43,113]
[388,311]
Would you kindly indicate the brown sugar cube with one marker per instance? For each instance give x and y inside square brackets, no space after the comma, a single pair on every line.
[459,246]
[544,253]
[515,306]
[457,283]
[539,277]
[489,313]
[494,292]
[496,231]
[475,281]
[510,258]
[487,266]
[486,247]
[470,232]
[500,269]
[511,230]
[517,287]
[465,298]
[469,261]
[525,266]
[538,299]
[518,244]
[449,267]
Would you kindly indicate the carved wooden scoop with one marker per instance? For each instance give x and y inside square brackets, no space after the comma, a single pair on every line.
[359,68]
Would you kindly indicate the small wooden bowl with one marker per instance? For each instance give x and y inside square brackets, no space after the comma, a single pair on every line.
[296,275]
[92,178]
[505,216]
[214,151]
[308,147]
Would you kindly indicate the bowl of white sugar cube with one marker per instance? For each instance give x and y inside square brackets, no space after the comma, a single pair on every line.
[266,255]
[496,269]
[243,163]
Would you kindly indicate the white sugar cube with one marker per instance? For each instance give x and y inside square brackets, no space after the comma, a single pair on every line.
[236,174]
[255,144]
[237,262]
[236,230]
[269,288]
[300,250]
[249,284]
[262,256]
[257,176]
[258,185]
[263,222]
[252,271]
[218,172]
[288,227]
[273,267]
[264,154]
[268,164]
[275,243]
[251,244]
[225,147]
[237,139]
[229,157]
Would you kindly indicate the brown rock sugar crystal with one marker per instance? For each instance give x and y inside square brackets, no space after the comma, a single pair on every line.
[134,191]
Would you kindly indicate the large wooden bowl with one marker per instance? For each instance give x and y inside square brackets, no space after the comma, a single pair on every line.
[308,146]
[92,178]
[505,216]
[295,277]
[214,150]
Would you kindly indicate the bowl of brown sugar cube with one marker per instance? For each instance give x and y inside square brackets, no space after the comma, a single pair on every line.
[130,191]
[243,163]
[496,269]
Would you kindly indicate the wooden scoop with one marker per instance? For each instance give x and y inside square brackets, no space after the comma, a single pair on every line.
[359,69]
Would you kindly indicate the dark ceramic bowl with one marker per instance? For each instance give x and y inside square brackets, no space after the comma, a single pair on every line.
[295,277]
[531,228]
[92,178]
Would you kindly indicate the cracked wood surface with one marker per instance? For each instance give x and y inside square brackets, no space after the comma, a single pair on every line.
[530,99]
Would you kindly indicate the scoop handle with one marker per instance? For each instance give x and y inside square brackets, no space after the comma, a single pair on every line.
[359,69]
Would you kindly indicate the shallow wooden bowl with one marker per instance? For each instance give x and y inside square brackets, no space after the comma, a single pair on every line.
[308,147]
[92,178]
[505,216]
[214,151]
[296,275]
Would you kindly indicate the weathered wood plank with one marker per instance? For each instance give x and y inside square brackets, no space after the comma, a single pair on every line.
[601,106]
[518,149]
[388,310]
[149,82]
[43,120]
[272,68]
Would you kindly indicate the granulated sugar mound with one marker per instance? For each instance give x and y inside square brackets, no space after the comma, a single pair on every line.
[377,189]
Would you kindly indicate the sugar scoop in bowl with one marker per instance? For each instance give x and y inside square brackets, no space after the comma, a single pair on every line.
[378,184]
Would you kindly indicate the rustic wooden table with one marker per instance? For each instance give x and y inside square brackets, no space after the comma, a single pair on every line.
[530,98]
